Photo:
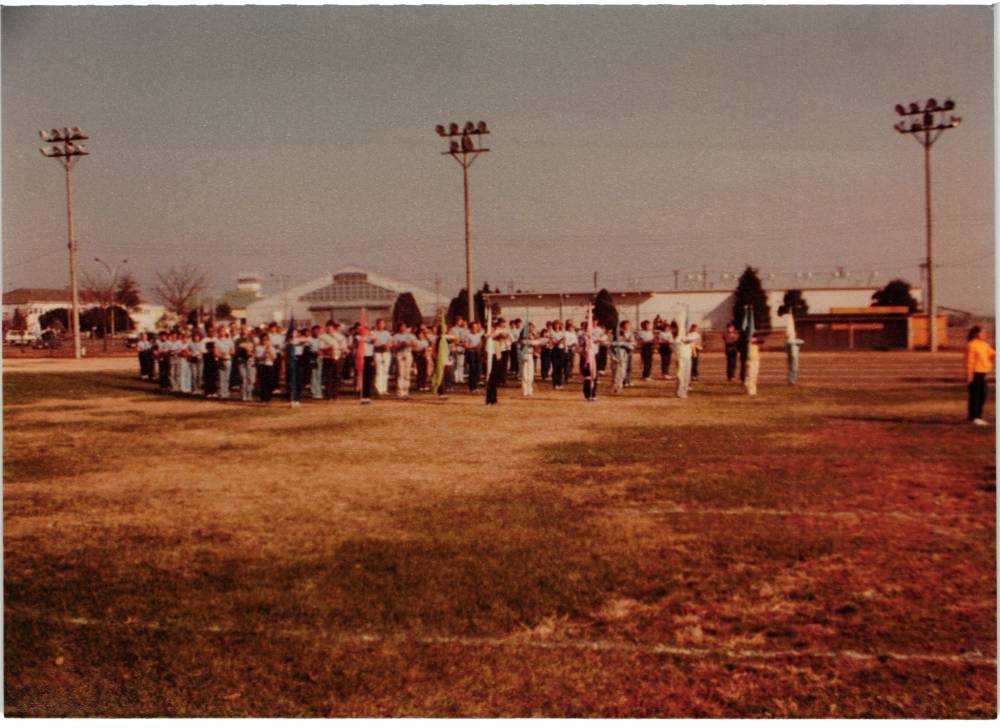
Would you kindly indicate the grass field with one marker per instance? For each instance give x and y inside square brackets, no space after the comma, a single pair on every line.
[827,550]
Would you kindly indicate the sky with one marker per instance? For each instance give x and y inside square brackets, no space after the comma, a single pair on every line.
[631,141]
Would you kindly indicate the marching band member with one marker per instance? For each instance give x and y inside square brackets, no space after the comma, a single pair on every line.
[224,348]
[458,332]
[265,356]
[557,340]
[473,345]
[383,356]
[570,342]
[246,347]
[403,343]
[645,338]
[665,340]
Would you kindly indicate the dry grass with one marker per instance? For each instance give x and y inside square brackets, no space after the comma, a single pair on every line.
[821,551]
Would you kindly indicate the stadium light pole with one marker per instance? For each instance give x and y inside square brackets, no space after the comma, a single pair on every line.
[66,148]
[465,150]
[926,125]
[113,272]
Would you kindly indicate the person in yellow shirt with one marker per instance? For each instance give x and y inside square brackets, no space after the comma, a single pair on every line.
[979,358]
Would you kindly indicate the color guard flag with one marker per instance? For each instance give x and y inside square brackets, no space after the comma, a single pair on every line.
[359,354]
[442,356]
[490,343]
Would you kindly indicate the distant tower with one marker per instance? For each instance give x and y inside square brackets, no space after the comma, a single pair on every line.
[249,283]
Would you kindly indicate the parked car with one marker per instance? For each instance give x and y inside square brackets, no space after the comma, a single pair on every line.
[19,338]
[131,341]
[48,340]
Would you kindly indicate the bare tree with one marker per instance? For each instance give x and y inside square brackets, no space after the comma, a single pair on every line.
[99,289]
[178,287]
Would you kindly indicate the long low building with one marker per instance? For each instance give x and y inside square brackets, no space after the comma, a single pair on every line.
[710,309]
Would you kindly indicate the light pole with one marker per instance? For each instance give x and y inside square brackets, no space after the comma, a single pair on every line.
[113,273]
[283,278]
[69,138]
[926,125]
[465,151]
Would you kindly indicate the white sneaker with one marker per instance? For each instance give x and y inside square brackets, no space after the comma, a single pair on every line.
[980,421]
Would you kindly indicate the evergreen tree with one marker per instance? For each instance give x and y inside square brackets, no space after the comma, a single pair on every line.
[750,292]
[457,307]
[405,310]
[223,311]
[605,312]
[794,302]
[479,303]
[895,293]
[57,318]
[127,295]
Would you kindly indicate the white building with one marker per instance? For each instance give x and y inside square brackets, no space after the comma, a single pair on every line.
[710,309]
[33,303]
[340,296]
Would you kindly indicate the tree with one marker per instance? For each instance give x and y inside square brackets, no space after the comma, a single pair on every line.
[605,312]
[793,302]
[405,310]
[223,311]
[20,322]
[128,296]
[179,287]
[750,292]
[895,293]
[459,306]
[57,318]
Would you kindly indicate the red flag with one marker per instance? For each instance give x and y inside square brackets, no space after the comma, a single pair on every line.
[359,354]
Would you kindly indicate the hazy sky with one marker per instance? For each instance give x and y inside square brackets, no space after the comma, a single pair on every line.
[629,140]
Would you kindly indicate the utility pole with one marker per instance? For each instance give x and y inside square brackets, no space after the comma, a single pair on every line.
[676,273]
[113,273]
[926,125]
[437,293]
[69,138]
[595,280]
[465,151]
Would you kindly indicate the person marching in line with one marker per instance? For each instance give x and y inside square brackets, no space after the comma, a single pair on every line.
[265,357]
[557,340]
[591,337]
[185,355]
[163,359]
[545,355]
[314,368]
[621,353]
[364,349]
[514,358]
[383,356]
[571,342]
[494,360]
[646,338]
[753,365]
[277,339]
[458,332]
[224,348]
[696,346]
[628,335]
[793,345]
[665,341]
[526,359]
[731,340]
[331,346]
[474,354]
[403,343]
[682,352]
[144,348]
[294,352]
[420,351]
[979,359]
[246,347]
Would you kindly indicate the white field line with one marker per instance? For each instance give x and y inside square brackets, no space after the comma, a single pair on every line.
[608,646]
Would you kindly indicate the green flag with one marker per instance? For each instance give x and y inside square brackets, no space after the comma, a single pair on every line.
[442,357]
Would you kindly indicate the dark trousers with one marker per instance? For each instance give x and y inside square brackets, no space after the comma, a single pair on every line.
[494,381]
[514,363]
[210,378]
[546,357]
[265,381]
[730,364]
[146,364]
[368,377]
[602,358]
[165,373]
[567,366]
[475,362]
[589,385]
[331,378]
[558,367]
[647,360]
[504,364]
[694,367]
[743,365]
[420,359]
[664,359]
[977,396]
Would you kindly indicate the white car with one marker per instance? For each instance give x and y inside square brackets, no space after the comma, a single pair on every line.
[20,338]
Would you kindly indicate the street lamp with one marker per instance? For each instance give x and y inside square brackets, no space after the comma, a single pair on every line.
[69,138]
[113,273]
[926,125]
[464,149]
